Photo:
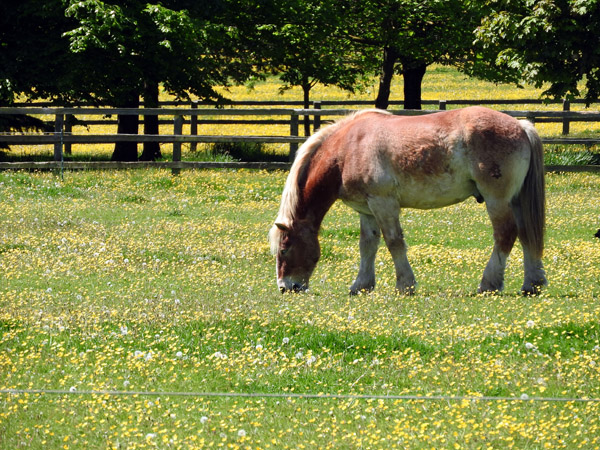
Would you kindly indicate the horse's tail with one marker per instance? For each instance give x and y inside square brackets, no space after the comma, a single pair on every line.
[532,197]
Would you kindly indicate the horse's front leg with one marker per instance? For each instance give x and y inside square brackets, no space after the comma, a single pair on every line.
[386,211]
[369,243]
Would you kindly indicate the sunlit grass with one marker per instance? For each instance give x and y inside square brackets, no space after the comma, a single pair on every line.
[140,281]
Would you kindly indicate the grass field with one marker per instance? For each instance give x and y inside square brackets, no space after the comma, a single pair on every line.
[140,281]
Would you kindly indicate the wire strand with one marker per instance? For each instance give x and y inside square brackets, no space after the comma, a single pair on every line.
[450,398]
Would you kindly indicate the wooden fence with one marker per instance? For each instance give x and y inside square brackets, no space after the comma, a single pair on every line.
[63,135]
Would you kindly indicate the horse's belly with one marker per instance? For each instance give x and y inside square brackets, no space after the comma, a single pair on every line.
[431,195]
[411,194]
[412,189]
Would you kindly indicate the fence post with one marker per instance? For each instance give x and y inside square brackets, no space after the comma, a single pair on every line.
[194,126]
[293,133]
[566,123]
[442,105]
[317,119]
[59,122]
[69,119]
[177,131]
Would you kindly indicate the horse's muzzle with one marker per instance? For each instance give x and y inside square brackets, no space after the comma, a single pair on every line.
[291,286]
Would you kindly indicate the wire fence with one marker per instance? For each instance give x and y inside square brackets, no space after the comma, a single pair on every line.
[286,395]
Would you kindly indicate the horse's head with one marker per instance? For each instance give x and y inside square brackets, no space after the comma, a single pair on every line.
[296,247]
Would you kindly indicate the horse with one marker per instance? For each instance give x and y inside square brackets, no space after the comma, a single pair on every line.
[378,163]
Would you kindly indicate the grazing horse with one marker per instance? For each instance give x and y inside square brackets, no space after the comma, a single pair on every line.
[378,163]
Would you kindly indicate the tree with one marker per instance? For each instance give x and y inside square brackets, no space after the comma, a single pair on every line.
[299,40]
[405,37]
[34,58]
[132,47]
[553,41]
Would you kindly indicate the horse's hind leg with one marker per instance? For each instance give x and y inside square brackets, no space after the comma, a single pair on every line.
[386,211]
[535,276]
[369,242]
[505,234]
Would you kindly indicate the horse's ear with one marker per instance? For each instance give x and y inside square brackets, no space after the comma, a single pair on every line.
[282,226]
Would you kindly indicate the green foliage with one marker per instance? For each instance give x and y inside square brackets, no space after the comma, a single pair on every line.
[34,58]
[245,151]
[538,42]
[557,155]
[135,43]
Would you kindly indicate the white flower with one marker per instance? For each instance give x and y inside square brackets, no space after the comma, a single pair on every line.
[179,354]
[203,419]
[529,346]
[286,340]
[530,324]
[124,331]
[242,433]
[72,389]
[220,355]
[259,347]
[524,397]
[299,355]
[150,436]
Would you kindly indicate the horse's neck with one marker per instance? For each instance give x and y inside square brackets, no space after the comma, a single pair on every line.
[320,191]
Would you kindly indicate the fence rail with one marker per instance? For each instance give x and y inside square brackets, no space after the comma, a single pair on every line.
[179,165]
[63,119]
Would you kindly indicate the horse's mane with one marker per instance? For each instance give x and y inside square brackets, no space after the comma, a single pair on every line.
[291,191]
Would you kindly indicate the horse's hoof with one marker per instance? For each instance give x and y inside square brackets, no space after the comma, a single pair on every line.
[535,287]
[366,290]
[406,290]
[487,287]
[490,290]
[532,289]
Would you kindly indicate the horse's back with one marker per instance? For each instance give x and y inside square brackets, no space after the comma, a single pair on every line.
[433,160]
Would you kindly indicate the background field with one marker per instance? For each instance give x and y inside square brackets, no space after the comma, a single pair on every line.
[440,83]
[140,281]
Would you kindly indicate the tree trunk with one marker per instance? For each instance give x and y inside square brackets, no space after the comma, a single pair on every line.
[413,73]
[390,56]
[151,151]
[127,124]
[306,87]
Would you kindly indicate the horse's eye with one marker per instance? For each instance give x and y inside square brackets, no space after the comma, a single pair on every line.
[283,251]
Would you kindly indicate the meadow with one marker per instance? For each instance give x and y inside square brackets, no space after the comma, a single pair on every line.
[140,281]
[144,306]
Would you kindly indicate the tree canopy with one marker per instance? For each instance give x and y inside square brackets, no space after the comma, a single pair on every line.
[405,37]
[538,42]
[301,42]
